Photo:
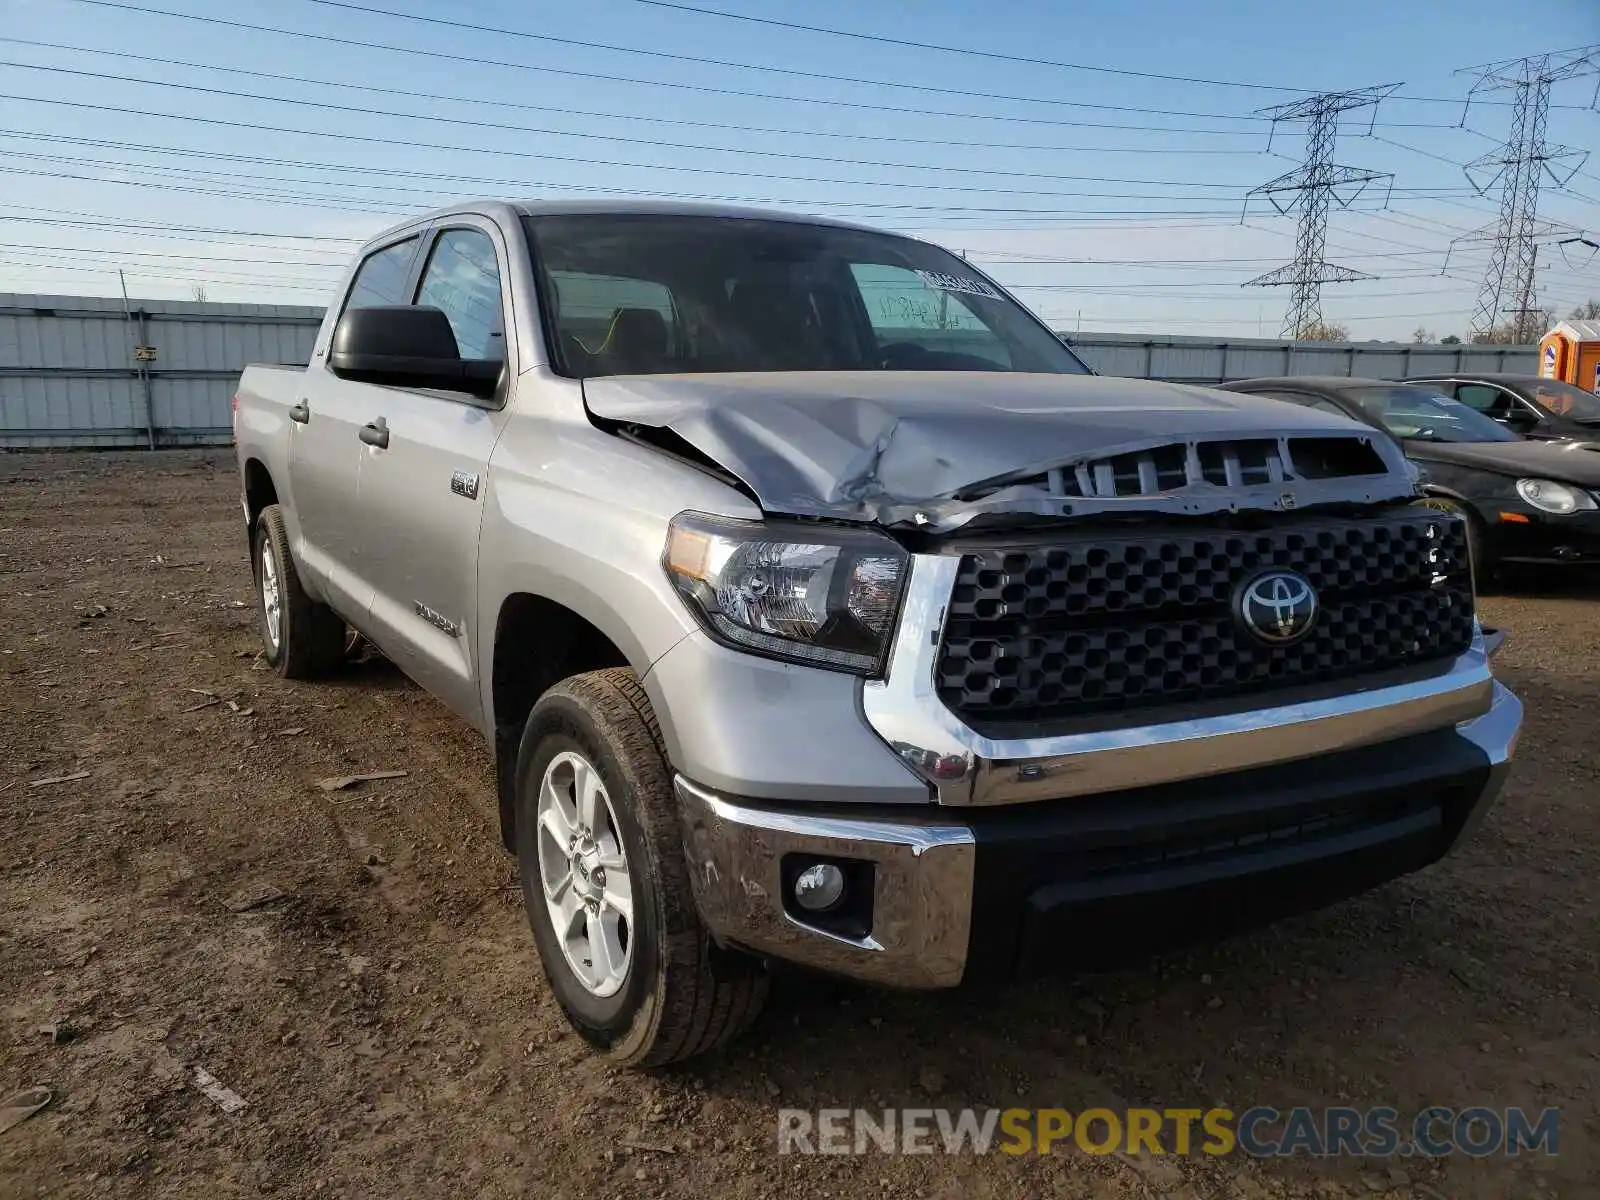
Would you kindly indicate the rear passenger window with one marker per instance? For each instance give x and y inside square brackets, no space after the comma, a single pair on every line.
[462,280]
[381,278]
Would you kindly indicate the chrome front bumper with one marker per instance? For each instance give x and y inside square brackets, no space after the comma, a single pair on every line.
[924,871]
[922,885]
[965,768]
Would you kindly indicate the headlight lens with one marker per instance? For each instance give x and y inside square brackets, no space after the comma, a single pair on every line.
[819,595]
[1551,497]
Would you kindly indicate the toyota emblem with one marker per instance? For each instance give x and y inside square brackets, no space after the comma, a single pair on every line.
[1278,607]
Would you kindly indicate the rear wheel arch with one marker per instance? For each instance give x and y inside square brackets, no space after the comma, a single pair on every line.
[259,489]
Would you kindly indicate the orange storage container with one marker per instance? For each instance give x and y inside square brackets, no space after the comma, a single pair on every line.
[1571,352]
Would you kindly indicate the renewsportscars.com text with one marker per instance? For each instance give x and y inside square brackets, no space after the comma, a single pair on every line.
[1260,1132]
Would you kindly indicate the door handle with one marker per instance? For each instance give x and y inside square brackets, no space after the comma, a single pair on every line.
[300,414]
[375,434]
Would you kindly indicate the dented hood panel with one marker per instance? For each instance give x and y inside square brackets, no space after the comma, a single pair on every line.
[897,446]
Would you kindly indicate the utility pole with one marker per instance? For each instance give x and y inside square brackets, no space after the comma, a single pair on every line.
[1312,187]
[1518,167]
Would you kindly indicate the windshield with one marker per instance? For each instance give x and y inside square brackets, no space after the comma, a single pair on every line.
[1414,412]
[1566,401]
[642,294]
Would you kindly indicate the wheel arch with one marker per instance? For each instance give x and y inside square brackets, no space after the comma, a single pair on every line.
[538,642]
[259,490]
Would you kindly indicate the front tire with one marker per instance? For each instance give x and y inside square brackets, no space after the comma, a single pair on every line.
[300,638]
[635,972]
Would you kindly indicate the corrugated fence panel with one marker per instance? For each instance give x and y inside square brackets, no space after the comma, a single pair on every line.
[1208,360]
[68,375]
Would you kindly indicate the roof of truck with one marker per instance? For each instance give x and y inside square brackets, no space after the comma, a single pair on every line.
[670,208]
[602,205]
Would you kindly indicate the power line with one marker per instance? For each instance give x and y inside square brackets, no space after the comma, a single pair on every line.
[389,173]
[528,154]
[374,204]
[530,35]
[794,25]
[503,126]
[968,51]
[478,61]
[74,219]
[124,252]
[74,268]
[506,103]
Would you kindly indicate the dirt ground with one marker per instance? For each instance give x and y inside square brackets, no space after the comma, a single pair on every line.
[356,966]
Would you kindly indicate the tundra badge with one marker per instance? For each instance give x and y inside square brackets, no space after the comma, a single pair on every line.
[437,620]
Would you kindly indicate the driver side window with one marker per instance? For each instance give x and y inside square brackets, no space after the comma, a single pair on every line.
[462,279]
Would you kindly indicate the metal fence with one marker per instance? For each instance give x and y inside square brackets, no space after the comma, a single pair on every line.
[89,372]
[1210,360]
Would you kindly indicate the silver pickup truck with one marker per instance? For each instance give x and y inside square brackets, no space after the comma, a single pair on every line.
[821,607]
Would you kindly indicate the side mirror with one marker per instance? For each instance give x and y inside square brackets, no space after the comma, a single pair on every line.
[406,346]
[1521,420]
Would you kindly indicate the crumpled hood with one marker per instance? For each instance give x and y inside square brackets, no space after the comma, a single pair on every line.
[865,445]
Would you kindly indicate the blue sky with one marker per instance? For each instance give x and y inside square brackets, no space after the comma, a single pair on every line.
[1107,201]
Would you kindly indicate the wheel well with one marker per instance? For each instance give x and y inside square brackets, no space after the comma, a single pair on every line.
[537,643]
[258,489]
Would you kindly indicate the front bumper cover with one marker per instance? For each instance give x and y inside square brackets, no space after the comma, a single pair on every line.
[988,892]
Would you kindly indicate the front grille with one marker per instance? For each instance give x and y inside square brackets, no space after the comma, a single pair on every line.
[1112,621]
[1231,463]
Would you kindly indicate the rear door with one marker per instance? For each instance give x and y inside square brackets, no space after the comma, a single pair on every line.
[325,450]
[422,496]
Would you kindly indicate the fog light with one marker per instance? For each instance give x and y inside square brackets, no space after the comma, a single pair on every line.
[819,887]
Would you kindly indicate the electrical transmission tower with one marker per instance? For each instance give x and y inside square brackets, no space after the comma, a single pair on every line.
[1317,183]
[1518,167]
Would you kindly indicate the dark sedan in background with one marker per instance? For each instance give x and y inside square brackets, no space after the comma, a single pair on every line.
[1525,501]
[1524,404]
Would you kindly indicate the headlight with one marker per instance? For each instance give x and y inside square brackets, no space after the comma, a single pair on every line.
[816,595]
[1551,497]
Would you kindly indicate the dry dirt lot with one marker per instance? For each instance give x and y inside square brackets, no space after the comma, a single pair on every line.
[387,1024]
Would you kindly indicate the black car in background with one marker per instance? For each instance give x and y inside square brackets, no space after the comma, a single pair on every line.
[1524,501]
[1524,404]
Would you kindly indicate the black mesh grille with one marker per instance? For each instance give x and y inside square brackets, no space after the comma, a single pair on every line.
[1114,622]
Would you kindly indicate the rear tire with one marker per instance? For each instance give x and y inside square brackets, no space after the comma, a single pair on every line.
[679,994]
[1484,572]
[300,638]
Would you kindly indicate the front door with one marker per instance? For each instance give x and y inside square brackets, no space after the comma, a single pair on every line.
[325,449]
[422,496]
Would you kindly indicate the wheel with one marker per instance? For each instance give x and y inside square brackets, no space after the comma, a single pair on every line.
[605,884]
[1483,570]
[302,639]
